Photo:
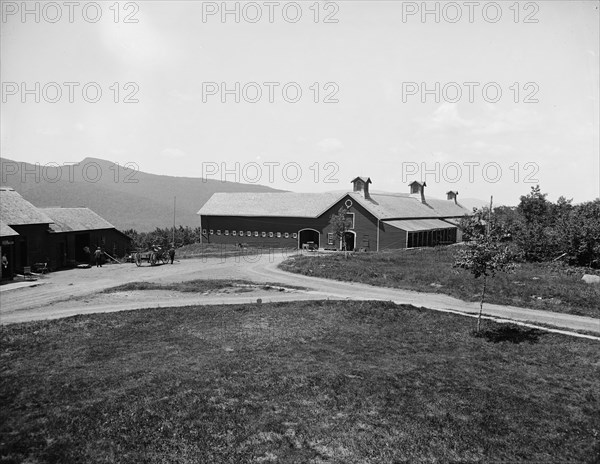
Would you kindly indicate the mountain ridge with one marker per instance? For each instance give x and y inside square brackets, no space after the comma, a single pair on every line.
[127,198]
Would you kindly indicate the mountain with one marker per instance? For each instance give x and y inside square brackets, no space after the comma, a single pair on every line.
[125,197]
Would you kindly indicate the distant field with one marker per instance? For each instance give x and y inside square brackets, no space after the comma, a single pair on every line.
[335,382]
[210,250]
[539,286]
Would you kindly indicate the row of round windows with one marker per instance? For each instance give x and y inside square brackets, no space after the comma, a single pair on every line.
[249,233]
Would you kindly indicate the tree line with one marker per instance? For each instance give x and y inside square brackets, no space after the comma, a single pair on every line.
[164,237]
[541,230]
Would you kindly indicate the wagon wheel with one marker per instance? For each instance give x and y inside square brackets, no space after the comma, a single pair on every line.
[165,258]
[153,258]
[138,259]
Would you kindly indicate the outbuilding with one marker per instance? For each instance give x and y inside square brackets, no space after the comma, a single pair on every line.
[7,250]
[53,237]
[73,230]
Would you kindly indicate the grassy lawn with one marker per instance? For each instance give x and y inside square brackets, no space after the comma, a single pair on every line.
[202,286]
[335,382]
[223,251]
[539,286]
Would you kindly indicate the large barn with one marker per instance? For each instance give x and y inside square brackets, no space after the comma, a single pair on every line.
[378,221]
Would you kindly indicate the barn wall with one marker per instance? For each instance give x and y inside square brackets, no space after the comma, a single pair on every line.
[391,238]
[31,246]
[365,225]
[8,249]
[110,240]
[258,224]
[57,259]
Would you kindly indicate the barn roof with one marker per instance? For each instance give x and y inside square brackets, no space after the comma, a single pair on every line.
[16,211]
[75,219]
[415,225]
[388,206]
[287,204]
[6,230]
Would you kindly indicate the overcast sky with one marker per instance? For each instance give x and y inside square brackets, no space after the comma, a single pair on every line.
[371,62]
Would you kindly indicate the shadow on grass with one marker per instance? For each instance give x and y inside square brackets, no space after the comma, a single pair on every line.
[510,333]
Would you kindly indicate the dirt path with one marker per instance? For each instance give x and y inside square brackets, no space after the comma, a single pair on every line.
[75,291]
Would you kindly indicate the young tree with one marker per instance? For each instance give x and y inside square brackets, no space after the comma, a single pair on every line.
[340,225]
[484,255]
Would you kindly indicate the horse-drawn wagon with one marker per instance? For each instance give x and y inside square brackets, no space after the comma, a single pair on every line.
[156,255]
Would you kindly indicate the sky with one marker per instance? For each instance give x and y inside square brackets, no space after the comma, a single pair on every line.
[485,99]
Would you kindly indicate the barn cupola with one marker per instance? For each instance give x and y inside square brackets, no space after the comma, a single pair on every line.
[451,195]
[361,186]
[417,190]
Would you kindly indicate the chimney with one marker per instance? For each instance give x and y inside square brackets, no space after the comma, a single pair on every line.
[451,195]
[417,190]
[360,185]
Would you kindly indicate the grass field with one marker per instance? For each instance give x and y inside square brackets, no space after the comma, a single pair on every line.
[551,287]
[202,286]
[223,251]
[335,382]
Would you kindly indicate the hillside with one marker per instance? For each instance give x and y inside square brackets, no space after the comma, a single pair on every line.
[126,198]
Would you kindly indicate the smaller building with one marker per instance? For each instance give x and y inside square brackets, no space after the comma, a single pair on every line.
[73,231]
[7,250]
[57,237]
[31,226]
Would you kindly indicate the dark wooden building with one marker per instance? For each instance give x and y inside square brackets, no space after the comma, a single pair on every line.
[8,236]
[31,226]
[377,221]
[56,236]
[74,229]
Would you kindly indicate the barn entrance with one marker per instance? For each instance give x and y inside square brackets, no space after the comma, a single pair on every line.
[308,238]
[349,240]
[82,241]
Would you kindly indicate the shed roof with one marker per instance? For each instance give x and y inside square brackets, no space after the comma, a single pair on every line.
[6,230]
[416,225]
[75,219]
[16,211]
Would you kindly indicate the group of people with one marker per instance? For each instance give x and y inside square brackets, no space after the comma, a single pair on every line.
[99,254]
[98,257]
[171,252]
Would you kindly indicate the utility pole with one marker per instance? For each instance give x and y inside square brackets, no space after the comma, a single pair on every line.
[490,215]
[174,204]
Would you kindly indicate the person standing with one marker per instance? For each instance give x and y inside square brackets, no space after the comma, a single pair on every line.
[5,273]
[98,257]
[172,253]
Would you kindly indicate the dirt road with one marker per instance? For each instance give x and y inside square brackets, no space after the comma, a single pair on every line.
[76,291]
